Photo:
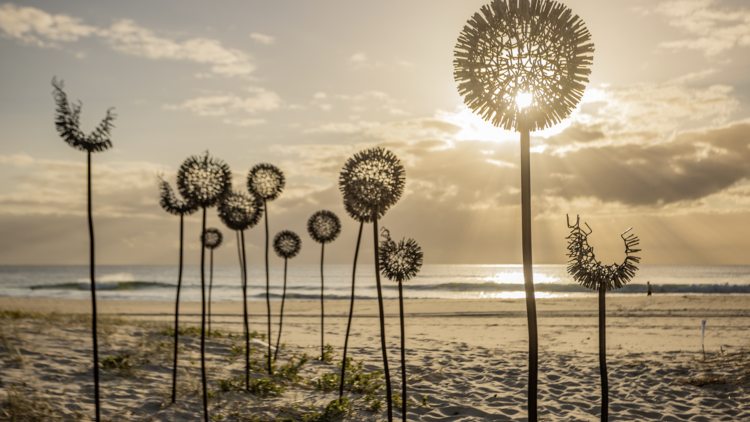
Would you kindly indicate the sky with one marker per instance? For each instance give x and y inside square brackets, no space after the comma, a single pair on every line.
[660,141]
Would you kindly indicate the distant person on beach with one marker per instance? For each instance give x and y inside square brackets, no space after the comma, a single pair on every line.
[649,290]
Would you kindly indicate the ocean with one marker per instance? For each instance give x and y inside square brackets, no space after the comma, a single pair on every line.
[142,282]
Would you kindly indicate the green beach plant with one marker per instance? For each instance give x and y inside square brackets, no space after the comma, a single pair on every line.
[588,271]
[266,181]
[287,245]
[375,179]
[522,64]
[204,181]
[67,123]
[400,262]
[212,239]
[175,206]
[239,212]
[323,227]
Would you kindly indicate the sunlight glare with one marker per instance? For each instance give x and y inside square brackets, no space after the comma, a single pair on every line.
[524,99]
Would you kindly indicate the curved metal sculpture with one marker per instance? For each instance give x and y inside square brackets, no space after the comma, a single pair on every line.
[204,181]
[588,271]
[374,180]
[212,239]
[522,65]
[67,123]
[287,245]
[400,262]
[266,181]
[324,227]
[239,212]
[175,206]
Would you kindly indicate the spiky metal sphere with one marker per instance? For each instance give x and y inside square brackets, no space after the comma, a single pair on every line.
[517,47]
[589,272]
[68,119]
[287,244]
[361,213]
[240,211]
[204,180]
[324,226]
[171,203]
[399,261]
[212,238]
[373,177]
[266,180]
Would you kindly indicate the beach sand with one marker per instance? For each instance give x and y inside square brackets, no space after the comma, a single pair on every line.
[467,357]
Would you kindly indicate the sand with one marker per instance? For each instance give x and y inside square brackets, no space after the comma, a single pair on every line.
[467,357]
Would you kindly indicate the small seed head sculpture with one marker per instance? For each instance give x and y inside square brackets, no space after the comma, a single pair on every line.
[324,226]
[266,180]
[204,180]
[241,211]
[374,177]
[212,238]
[171,203]
[287,244]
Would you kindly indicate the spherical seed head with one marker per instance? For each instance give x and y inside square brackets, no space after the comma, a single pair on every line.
[373,177]
[286,244]
[266,181]
[519,47]
[212,238]
[171,204]
[324,226]
[240,211]
[399,261]
[204,180]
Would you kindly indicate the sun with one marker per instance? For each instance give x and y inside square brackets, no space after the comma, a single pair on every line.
[524,99]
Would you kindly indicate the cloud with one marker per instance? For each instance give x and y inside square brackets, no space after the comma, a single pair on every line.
[262,38]
[227,104]
[716,31]
[360,60]
[34,26]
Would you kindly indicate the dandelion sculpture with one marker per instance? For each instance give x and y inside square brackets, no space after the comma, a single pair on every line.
[286,244]
[266,181]
[211,239]
[522,65]
[67,122]
[589,272]
[374,179]
[324,227]
[363,215]
[204,181]
[239,212]
[400,262]
[175,206]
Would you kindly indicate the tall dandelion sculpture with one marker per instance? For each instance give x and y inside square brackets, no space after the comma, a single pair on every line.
[522,65]
[374,179]
[324,227]
[204,181]
[175,206]
[67,123]
[589,272]
[266,181]
[286,244]
[363,215]
[239,212]
[212,239]
[400,262]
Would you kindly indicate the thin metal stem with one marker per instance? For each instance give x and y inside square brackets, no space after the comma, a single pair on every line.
[322,307]
[203,317]
[603,352]
[93,290]
[389,399]
[244,306]
[268,294]
[281,314]
[351,312]
[177,313]
[210,288]
[403,351]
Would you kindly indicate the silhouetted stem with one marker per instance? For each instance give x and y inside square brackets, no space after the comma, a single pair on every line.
[403,351]
[177,313]
[210,287]
[281,315]
[528,273]
[268,295]
[389,399]
[93,290]
[322,308]
[351,311]
[603,353]
[203,317]
[243,263]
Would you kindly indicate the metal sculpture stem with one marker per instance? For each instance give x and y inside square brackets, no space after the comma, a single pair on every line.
[403,350]
[268,295]
[528,272]
[389,399]
[322,307]
[177,313]
[281,314]
[93,290]
[210,287]
[351,312]
[203,317]
[244,306]
[603,353]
